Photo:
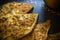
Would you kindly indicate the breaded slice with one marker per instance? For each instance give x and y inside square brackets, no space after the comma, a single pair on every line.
[17,26]
[16,8]
[39,33]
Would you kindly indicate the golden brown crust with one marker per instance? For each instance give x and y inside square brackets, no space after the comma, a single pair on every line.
[31,27]
[37,34]
[16,7]
[14,27]
[41,31]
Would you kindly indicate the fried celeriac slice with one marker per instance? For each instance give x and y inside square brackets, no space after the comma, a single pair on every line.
[18,26]
[16,8]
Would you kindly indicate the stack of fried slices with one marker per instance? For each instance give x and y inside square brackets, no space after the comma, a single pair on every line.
[18,23]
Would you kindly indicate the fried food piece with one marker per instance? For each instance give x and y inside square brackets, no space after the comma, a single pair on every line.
[39,33]
[16,8]
[18,26]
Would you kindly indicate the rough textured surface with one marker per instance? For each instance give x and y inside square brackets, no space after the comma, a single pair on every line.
[16,7]
[38,33]
[13,25]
